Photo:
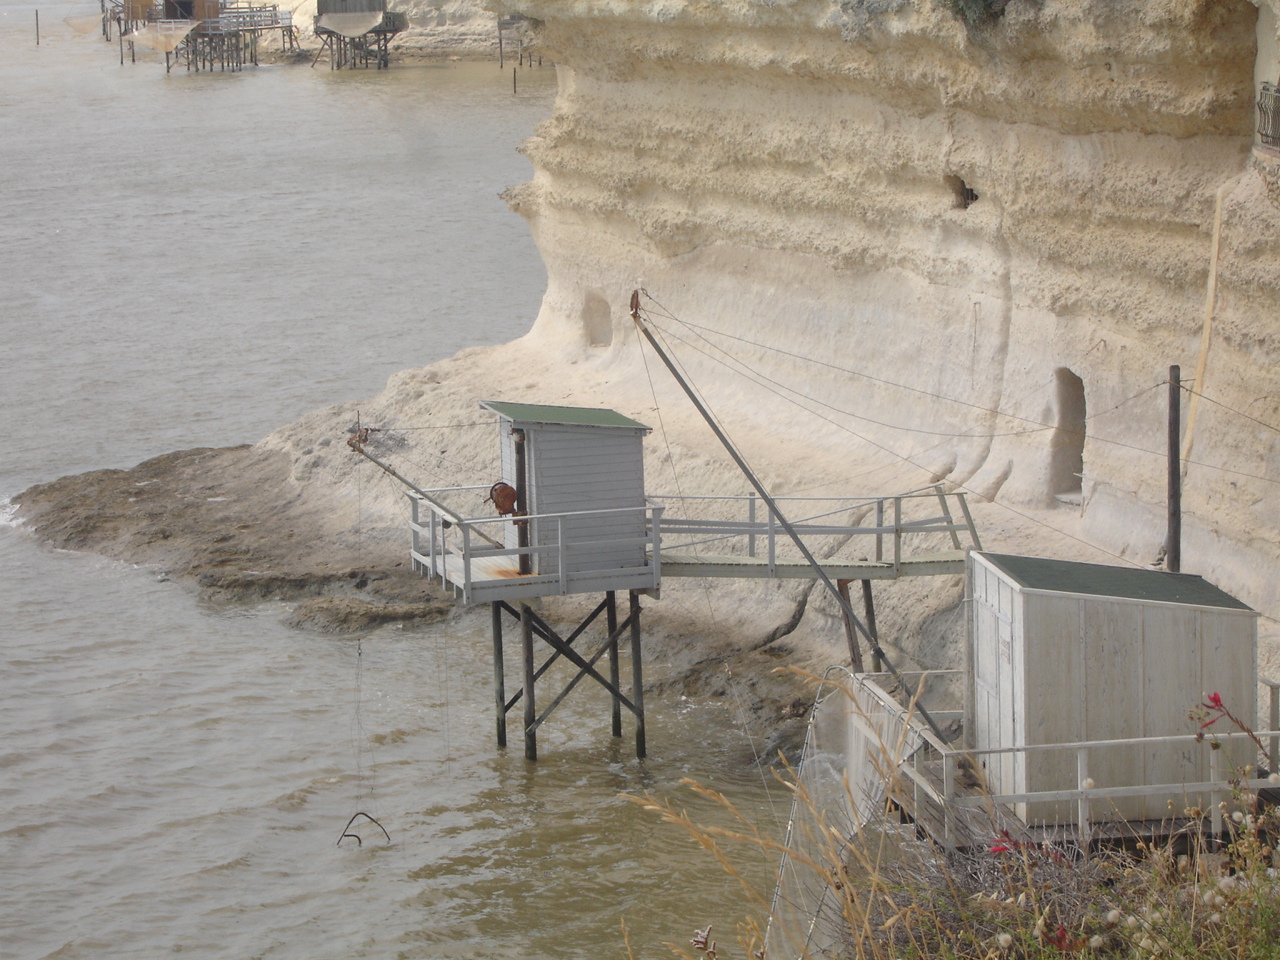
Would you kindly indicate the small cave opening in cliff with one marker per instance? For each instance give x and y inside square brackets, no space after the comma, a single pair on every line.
[597,320]
[1066,448]
[964,194]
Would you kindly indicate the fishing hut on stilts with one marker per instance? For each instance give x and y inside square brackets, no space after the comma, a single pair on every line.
[357,33]
[202,34]
[572,519]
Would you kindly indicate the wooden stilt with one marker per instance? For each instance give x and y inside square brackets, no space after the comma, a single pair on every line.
[637,674]
[869,606]
[1173,528]
[533,627]
[499,681]
[850,634]
[611,618]
[530,711]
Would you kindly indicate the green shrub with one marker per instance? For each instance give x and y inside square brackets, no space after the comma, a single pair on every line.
[977,13]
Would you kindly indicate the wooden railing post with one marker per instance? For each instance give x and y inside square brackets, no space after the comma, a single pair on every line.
[946,512]
[1215,796]
[917,794]
[948,794]
[656,542]
[1083,818]
[897,534]
[879,527]
[773,545]
[1273,721]
[968,519]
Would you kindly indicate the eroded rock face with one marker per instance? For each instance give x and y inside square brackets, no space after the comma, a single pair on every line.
[997,239]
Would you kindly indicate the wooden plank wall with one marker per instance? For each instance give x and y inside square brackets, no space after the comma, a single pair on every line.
[584,468]
[1062,668]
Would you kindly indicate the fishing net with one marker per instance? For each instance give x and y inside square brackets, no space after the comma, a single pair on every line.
[163,36]
[89,23]
[350,25]
[855,743]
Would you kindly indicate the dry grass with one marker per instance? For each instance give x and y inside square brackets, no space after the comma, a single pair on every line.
[896,897]
[888,895]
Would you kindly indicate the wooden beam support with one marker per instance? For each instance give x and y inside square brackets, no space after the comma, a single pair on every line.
[850,634]
[869,608]
[637,674]
[499,681]
[614,675]
[530,712]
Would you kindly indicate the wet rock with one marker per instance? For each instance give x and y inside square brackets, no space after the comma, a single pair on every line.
[356,615]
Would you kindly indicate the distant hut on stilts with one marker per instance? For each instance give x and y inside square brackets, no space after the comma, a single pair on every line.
[357,33]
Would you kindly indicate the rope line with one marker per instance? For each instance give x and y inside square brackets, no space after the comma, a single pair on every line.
[954,436]
[960,485]
[1238,413]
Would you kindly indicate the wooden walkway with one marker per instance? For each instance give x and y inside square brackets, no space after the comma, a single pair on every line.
[685,563]
[902,540]
[973,821]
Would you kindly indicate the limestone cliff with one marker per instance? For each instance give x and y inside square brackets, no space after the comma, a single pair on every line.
[990,233]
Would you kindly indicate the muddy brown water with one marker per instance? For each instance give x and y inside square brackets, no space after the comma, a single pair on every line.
[193,260]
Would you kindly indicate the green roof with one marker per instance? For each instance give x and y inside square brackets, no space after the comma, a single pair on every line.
[1101,580]
[573,416]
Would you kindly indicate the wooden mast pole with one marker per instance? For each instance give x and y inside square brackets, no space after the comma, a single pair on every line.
[450,517]
[850,616]
[1173,538]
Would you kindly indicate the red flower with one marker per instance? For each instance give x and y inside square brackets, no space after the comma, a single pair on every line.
[1213,701]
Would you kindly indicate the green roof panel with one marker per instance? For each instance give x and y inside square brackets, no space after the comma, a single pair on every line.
[1102,580]
[573,416]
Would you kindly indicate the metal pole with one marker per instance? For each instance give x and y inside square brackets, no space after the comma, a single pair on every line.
[37,28]
[1173,539]
[774,510]
[499,681]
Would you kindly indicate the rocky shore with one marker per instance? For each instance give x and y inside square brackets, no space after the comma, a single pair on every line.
[221,521]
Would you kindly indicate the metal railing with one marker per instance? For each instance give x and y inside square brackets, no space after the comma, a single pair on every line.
[444,534]
[244,18]
[1084,795]
[892,520]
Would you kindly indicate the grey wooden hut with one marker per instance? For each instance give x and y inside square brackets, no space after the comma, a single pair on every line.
[1064,653]
[580,475]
